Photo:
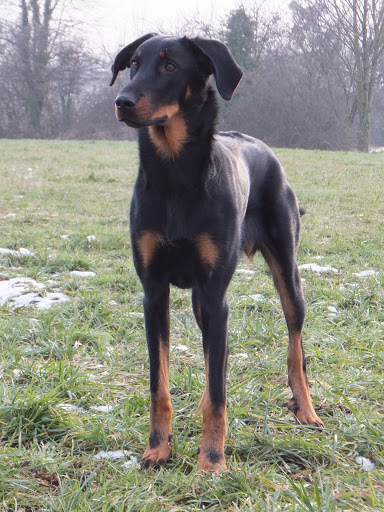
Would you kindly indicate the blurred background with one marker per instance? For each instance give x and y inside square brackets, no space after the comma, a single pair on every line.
[313,68]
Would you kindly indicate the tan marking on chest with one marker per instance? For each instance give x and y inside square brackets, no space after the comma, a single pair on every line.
[208,250]
[147,244]
[170,138]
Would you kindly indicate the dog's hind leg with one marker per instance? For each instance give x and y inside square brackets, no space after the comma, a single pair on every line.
[282,262]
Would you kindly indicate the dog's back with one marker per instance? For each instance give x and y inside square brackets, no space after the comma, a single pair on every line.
[261,186]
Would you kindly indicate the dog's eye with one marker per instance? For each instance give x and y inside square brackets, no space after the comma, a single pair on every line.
[170,66]
[134,65]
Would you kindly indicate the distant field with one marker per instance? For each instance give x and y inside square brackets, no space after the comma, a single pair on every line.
[74,366]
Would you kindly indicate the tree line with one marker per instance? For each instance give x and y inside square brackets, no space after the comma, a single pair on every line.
[313,79]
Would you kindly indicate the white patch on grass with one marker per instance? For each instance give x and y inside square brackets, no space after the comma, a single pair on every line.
[64,237]
[17,254]
[333,311]
[182,348]
[16,373]
[136,314]
[102,408]
[50,299]
[20,292]
[113,455]
[366,464]
[27,299]
[79,273]
[91,238]
[258,297]
[245,271]
[11,288]
[365,273]
[73,408]
[318,268]
[351,285]
[131,463]
[241,355]
[51,282]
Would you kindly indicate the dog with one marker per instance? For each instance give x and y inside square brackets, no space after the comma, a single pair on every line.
[201,199]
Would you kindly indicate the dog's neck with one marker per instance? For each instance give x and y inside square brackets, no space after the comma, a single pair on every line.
[169,139]
[188,131]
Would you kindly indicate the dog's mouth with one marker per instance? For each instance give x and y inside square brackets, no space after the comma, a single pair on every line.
[142,115]
[141,123]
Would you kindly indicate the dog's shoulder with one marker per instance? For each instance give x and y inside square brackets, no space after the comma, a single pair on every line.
[248,152]
[242,144]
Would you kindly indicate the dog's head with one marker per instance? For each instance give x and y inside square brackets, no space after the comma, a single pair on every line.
[168,72]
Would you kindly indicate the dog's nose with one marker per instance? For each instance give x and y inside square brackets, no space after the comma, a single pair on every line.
[125,102]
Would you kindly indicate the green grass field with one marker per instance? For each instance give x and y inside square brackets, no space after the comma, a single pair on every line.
[74,377]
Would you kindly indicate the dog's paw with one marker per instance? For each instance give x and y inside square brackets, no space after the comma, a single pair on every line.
[156,457]
[304,415]
[212,462]
[292,405]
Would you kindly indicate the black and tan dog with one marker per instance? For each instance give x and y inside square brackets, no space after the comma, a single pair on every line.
[200,199]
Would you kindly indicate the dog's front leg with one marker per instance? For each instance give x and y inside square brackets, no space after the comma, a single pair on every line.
[212,316]
[156,313]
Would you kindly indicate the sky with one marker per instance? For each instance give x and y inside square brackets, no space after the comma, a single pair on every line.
[110,24]
[117,22]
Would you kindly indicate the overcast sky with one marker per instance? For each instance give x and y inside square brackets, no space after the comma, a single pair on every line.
[110,24]
[116,22]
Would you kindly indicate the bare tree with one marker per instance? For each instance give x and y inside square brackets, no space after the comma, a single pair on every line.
[362,29]
[327,66]
[354,29]
[42,67]
[33,50]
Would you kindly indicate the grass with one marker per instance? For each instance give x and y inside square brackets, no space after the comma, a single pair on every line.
[67,202]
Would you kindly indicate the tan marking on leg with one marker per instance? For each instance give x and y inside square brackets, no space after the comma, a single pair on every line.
[159,446]
[301,402]
[208,250]
[161,408]
[170,138]
[147,244]
[199,317]
[214,428]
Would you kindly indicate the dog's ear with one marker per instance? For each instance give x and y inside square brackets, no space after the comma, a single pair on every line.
[223,66]
[124,56]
